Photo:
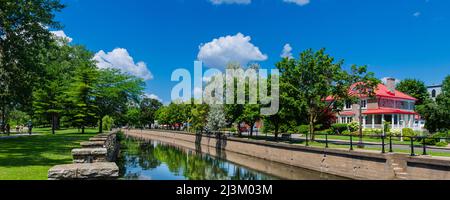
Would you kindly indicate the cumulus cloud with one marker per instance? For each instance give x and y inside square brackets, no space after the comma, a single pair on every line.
[298,2]
[238,48]
[62,35]
[287,51]
[219,2]
[120,59]
[417,14]
[153,96]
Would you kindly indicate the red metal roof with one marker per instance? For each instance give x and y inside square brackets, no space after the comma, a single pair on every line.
[347,113]
[388,111]
[383,91]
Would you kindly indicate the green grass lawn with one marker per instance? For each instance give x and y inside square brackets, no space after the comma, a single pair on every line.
[29,158]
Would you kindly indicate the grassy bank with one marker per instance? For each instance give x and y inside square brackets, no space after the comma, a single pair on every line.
[30,157]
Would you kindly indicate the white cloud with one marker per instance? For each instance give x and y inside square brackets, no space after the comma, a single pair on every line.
[153,96]
[119,58]
[62,35]
[287,51]
[298,2]
[417,14]
[238,48]
[219,2]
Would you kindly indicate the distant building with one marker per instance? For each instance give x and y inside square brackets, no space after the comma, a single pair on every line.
[388,105]
[434,91]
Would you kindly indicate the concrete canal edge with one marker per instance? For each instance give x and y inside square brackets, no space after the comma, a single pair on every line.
[94,160]
[360,165]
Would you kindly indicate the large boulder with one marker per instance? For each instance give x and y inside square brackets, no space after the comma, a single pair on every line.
[84,171]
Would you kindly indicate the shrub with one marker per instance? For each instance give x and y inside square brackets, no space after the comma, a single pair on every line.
[408,133]
[303,129]
[442,144]
[354,126]
[395,132]
[107,123]
[370,131]
[339,128]
[233,130]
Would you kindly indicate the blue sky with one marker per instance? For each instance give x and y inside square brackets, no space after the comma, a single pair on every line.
[395,38]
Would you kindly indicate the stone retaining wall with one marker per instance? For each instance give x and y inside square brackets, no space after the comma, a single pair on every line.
[94,160]
[359,164]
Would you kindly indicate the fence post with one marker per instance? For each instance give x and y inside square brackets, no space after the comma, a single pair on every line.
[383,150]
[412,146]
[351,142]
[326,140]
[424,145]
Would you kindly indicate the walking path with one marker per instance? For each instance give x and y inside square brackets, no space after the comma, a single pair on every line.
[17,135]
[404,147]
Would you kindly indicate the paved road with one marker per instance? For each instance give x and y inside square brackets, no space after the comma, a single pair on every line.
[418,149]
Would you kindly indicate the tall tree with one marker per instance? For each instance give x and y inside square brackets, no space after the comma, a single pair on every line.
[416,89]
[216,118]
[310,80]
[148,109]
[50,95]
[436,113]
[114,91]
[82,92]
[362,85]
[23,40]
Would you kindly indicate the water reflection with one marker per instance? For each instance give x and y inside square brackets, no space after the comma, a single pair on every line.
[151,160]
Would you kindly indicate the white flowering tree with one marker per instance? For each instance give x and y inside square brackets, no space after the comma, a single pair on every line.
[216,118]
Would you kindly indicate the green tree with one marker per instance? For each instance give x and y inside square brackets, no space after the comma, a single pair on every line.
[363,85]
[199,115]
[114,91]
[251,115]
[23,41]
[148,110]
[310,80]
[436,113]
[82,94]
[416,89]
[49,97]
[133,117]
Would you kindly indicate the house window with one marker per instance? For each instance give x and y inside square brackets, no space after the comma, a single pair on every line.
[347,120]
[433,93]
[348,105]
[364,104]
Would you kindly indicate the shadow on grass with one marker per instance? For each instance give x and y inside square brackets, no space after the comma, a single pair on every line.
[42,150]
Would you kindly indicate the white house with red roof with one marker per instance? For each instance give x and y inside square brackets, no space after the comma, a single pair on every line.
[388,105]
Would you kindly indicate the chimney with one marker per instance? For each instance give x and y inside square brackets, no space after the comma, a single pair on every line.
[391,85]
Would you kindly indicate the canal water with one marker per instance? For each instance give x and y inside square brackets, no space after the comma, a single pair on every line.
[153,160]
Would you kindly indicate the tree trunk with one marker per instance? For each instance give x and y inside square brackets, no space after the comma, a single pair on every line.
[251,130]
[360,145]
[277,127]
[82,129]
[239,130]
[100,127]
[53,123]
